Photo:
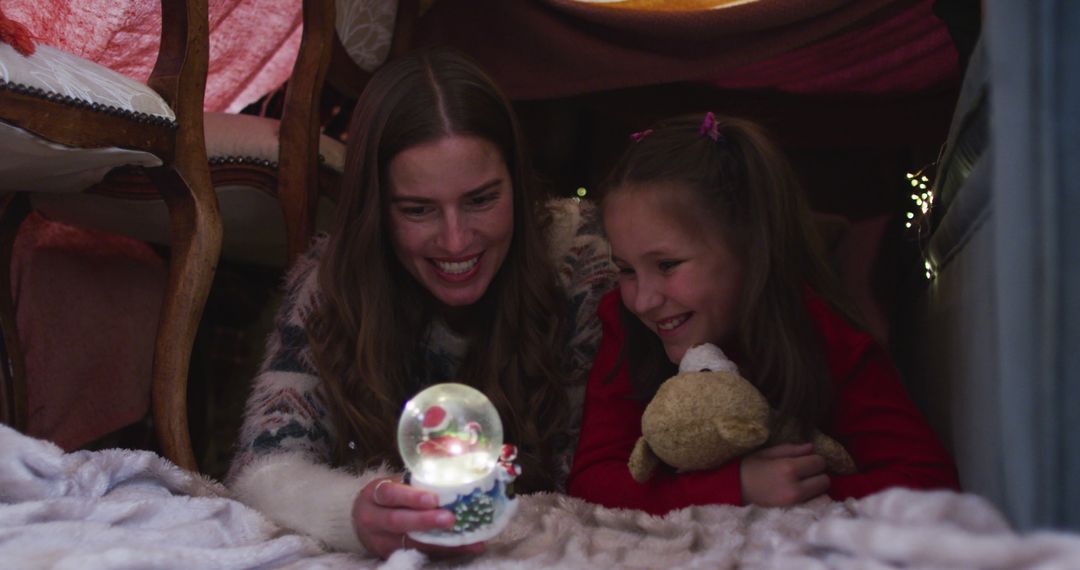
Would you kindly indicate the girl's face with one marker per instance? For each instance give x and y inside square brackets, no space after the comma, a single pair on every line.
[451,215]
[676,271]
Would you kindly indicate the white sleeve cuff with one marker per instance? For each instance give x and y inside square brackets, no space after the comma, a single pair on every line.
[307,497]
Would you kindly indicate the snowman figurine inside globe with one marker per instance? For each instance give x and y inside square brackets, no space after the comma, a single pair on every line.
[450,439]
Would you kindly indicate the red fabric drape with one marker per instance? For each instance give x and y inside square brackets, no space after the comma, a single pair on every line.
[16,34]
[553,48]
[253,43]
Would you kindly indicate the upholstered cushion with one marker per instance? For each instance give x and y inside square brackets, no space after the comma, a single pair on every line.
[365,28]
[32,164]
[254,231]
[84,82]
[254,138]
[29,163]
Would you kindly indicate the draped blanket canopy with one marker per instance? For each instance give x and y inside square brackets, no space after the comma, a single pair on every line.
[555,48]
[552,48]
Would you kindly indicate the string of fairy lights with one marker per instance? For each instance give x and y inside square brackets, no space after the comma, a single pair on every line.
[917,222]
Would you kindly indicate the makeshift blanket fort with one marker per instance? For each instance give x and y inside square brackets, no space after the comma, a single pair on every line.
[134,509]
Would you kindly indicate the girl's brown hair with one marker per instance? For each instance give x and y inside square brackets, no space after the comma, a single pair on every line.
[742,180]
[370,323]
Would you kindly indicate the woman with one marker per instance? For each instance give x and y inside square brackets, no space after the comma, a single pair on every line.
[444,264]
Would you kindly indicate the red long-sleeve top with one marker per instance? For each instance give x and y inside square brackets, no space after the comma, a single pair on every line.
[874,419]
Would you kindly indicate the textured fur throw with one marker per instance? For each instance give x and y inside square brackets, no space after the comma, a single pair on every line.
[133,509]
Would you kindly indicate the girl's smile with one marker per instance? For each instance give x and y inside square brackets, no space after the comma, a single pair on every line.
[668,327]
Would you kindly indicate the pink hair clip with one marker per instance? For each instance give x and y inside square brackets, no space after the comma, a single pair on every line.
[710,128]
[636,137]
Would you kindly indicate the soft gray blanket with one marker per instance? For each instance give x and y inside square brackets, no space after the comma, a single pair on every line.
[133,509]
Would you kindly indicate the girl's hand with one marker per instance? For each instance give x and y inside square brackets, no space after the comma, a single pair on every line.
[385,510]
[783,475]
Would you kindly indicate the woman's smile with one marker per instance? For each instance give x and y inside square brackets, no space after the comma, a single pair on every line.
[457,270]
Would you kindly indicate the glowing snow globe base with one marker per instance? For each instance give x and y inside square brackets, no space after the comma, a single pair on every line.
[450,439]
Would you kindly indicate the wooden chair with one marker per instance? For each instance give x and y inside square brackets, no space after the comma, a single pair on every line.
[322,57]
[276,181]
[270,179]
[73,134]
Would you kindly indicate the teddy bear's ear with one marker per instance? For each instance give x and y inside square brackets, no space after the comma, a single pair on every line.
[642,461]
[837,459]
[740,434]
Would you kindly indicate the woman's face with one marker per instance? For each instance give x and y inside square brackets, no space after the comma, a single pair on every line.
[677,273]
[451,215]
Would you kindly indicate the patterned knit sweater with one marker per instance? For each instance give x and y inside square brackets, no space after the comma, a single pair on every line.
[283,464]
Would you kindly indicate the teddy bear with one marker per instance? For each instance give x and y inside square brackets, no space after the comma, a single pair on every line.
[708,414]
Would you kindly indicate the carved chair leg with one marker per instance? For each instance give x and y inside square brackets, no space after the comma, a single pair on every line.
[195,230]
[13,405]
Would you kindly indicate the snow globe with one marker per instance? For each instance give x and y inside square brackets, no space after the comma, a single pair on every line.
[450,439]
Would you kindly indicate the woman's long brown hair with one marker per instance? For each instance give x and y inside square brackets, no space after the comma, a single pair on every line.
[744,183]
[369,325]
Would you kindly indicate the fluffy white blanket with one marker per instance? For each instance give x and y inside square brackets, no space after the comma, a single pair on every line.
[133,509]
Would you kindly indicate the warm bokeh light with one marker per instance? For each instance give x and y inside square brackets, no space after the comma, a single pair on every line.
[668,5]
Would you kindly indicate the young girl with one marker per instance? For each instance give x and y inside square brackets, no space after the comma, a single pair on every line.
[714,244]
